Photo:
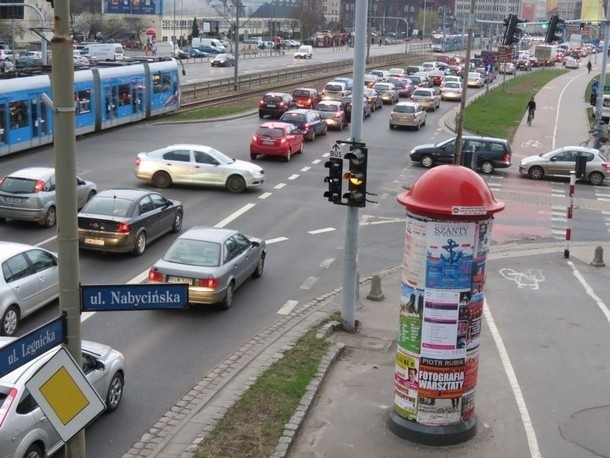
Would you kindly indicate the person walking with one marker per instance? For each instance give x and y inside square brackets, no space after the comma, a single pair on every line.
[589,67]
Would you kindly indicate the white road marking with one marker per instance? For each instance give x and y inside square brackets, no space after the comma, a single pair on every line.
[265,195]
[514,383]
[287,307]
[294,177]
[600,304]
[320,231]
[235,215]
[309,283]
[46,241]
[276,240]
[305,169]
[316,161]
[279,186]
[327,263]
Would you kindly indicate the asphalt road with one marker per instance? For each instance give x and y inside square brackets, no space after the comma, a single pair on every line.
[169,352]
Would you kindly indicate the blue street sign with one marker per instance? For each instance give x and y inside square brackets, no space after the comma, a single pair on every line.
[26,348]
[103,298]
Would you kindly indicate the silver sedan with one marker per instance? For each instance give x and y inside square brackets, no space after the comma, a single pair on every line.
[214,262]
[197,165]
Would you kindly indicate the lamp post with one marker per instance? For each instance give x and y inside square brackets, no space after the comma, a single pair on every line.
[423,28]
[174,39]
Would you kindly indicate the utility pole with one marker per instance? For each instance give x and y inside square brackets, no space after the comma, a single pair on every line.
[599,122]
[64,150]
[459,125]
[236,38]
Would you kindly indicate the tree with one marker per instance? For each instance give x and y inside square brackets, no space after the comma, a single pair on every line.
[113,26]
[432,21]
[136,26]
[195,29]
[8,27]
[311,15]
[88,24]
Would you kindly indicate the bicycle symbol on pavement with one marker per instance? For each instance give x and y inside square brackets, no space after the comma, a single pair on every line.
[532,143]
[530,279]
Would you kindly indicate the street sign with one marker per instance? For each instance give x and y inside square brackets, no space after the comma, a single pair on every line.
[335,151]
[35,343]
[65,395]
[105,298]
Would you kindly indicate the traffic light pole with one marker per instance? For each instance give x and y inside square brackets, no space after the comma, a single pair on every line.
[602,82]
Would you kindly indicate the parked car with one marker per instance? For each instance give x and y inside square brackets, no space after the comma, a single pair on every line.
[428,98]
[306,97]
[25,430]
[408,114]
[274,138]
[209,49]
[29,195]
[223,60]
[28,282]
[214,262]
[333,112]
[490,153]
[275,104]
[347,103]
[451,91]
[289,43]
[374,99]
[197,165]
[561,161]
[308,121]
[127,220]
[388,92]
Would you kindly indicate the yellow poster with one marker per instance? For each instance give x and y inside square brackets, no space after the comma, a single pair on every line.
[591,10]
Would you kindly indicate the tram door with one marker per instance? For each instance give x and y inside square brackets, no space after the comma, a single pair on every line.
[137,97]
[3,126]
[39,119]
[111,105]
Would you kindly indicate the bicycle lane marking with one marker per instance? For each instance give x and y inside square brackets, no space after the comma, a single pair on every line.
[532,143]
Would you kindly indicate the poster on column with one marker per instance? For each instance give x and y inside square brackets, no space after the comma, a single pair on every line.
[441,325]
[449,254]
[441,383]
[411,309]
[415,252]
[405,385]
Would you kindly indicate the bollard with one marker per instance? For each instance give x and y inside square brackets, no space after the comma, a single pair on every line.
[376,294]
[598,258]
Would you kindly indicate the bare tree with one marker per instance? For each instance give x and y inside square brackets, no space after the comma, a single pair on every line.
[10,29]
[113,26]
[311,16]
[136,26]
[88,24]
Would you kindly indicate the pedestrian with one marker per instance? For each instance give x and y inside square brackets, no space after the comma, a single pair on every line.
[589,66]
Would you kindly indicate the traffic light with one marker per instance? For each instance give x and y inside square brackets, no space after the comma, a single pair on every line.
[334,180]
[512,34]
[554,31]
[356,177]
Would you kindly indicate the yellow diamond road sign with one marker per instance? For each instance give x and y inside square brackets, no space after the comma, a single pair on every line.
[65,395]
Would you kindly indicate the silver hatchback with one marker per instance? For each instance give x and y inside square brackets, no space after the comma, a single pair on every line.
[24,428]
[29,195]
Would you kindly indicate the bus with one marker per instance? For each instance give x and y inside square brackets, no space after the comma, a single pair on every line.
[448,42]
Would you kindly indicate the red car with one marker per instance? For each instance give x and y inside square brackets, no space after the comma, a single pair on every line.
[276,139]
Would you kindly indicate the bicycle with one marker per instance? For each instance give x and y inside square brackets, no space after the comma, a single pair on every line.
[595,140]
[530,117]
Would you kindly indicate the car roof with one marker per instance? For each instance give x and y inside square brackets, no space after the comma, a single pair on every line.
[212,234]
[123,193]
[329,102]
[299,111]
[34,173]
[407,103]
[10,249]
[488,139]
[276,124]
[277,94]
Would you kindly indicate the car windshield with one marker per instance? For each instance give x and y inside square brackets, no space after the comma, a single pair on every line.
[269,132]
[452,85]
[325,107]
[194,253]
[107,206]
[422,93]
[334,87]
[404,109]
[220,157]
[19,185]
[298,93]
[293,117]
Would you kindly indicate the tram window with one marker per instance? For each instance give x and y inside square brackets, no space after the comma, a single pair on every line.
[18,113]
[157,87]
[162,82]
[2,124]
[83,102]
[124,94]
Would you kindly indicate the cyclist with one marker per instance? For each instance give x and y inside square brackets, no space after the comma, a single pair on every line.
[531,107]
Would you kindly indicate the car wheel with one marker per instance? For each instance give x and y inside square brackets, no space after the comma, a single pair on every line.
[427,161]
[487,167]
[50,218]
[236,184]
[536,173]
[341,126]
[419,125]
[10,321]
[392,126]
[140,245]
[115,392]
[260,115]
[260,266]
[313,135]
[33,451]
[325,129]
[161,180]
[177,222]
[288,156]
[228,299]
[596,178]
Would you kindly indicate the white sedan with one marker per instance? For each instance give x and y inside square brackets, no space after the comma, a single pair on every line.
[197,165]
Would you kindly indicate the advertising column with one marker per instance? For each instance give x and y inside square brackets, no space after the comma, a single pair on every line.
[449,217]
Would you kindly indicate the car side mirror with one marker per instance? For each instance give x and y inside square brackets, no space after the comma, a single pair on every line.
[99,366]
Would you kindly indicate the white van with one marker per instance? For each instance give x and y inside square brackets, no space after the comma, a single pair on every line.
[304,52]
[104,51]
[166,49]
[213,42]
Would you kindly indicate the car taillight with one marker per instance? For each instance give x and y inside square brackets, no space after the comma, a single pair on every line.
[262,103]
[123,228]
[283,140]
[39,186]
[6,405]
[208,282]
[282,104]
[605,165]
[153,275]
[506,158]
[337,115]
[306,126]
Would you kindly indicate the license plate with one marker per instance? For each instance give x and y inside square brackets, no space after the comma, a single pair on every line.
[270,105]
[268,142]
[98,242]
[178,280]
[13,200]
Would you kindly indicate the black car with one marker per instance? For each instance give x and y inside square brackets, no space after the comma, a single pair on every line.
[223,60]
[347,105]
[126,220]
[308,121]
[275,104]
[489,153]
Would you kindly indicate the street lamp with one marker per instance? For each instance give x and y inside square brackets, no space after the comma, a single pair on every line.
[423,29]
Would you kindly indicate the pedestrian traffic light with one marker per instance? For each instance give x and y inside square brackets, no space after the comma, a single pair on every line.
[554,31]
[512,34]
[334,180]
[356,177]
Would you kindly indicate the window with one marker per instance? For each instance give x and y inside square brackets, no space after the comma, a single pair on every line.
[27,404]
[16,268]
[18,114]
[41,260]
[88,363]
[145,205]
[158,200]
[124,95]
[204,158]
[162,82]
[83,102]
[242,242]
[178,155]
